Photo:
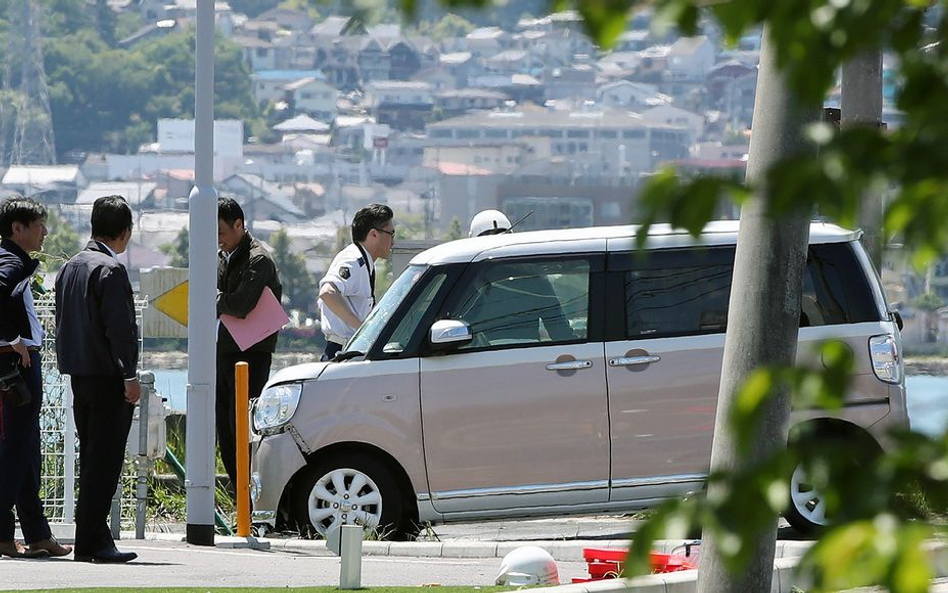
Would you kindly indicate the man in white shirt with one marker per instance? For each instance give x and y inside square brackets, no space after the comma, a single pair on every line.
[347,291]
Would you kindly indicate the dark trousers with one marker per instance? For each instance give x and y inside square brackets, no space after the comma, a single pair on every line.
[332,349]
[20,458]
[103,418]
[259,363]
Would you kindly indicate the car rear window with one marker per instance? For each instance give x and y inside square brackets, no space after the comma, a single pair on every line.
[684,292]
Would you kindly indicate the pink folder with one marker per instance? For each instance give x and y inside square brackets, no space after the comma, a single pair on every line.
[265,319]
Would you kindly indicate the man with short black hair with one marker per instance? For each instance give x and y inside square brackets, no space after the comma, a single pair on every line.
[97,345]
[22,228]
[347,291]
[244,269]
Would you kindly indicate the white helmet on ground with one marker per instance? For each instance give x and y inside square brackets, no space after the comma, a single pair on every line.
[528,565]
[489,222]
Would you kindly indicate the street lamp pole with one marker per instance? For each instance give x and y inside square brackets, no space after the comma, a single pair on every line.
[202,273]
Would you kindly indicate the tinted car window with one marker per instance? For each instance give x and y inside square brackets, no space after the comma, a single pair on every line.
[511,303]
[686,291]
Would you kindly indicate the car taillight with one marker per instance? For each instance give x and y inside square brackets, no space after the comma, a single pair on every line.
[886,358]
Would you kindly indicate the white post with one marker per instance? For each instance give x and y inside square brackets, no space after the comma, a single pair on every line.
[350,548]
[69,458]
[202,275]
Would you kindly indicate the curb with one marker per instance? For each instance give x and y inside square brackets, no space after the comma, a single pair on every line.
[785,576]
[561,550]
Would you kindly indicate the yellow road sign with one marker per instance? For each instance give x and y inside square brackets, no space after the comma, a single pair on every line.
[174,303]
[167,292]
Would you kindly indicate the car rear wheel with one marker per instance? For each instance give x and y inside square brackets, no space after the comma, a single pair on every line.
[350,489]
[851,454]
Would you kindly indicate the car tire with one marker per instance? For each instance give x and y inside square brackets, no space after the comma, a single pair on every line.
[353,489]
[807,512]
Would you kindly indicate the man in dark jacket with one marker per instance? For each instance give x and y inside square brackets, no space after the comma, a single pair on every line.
[97,345]
[23,228]
[244,269]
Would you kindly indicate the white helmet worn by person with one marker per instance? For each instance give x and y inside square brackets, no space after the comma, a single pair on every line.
[528,565]
[489,222]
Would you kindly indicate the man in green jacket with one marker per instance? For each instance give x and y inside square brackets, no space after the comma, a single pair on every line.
[244,269]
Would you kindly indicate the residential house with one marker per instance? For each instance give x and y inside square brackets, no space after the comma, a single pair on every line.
[438,78]
[618,142]
[513,61]
[669,115]
[459,102]
[338,58]
[52,184]
[576,84]
[269,85]
[402,105]
[373,61]
[139,194]
[313,97]
[519,87]
[261,199]
[485,41]
[624,94]
[690,59]
[460,65]
[404,60]
[288,18]
[258,53]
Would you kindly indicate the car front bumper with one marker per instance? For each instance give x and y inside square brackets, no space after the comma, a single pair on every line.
[276,459]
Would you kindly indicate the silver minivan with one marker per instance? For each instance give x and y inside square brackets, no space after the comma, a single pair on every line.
[550,373]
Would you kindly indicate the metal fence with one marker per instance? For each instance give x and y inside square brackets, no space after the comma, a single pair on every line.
[58,442]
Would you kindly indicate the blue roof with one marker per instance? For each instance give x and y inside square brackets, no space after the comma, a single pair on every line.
[289,74]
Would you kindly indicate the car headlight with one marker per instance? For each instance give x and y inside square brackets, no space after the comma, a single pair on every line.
[275,407]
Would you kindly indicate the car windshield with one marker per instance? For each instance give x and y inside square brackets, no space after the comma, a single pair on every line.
[370,329]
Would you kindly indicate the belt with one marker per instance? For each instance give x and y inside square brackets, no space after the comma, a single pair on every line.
[10,350]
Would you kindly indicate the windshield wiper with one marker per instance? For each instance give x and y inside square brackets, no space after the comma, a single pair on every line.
[343,356]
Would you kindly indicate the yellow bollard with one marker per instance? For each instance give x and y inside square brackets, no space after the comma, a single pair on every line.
[242,405]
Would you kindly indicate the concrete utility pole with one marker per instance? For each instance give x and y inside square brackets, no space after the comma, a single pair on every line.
[861,105]
[764,311]
[202,308]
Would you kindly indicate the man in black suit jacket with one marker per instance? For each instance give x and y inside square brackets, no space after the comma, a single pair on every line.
[244,269]
[97,345]
[22,228]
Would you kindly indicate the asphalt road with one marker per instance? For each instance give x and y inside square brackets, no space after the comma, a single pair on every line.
[169,564]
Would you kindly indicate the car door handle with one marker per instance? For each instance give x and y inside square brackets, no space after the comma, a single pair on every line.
[569,365]
[627,361]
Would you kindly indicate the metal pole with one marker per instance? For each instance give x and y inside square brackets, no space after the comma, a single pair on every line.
[147,381]
[115,515]
[350,549]
[202,273]
[242,407]
[860,104]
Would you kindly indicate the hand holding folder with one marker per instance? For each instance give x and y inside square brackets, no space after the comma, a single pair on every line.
[266,318]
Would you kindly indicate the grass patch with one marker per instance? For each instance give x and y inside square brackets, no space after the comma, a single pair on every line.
[274,589]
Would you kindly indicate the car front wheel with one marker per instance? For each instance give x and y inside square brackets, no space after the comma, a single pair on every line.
[350,489]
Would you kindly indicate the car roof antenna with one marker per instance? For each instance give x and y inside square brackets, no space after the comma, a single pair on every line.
[516,224]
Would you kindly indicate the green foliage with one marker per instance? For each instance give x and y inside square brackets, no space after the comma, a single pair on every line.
[299,286]
[178,250]
[454,231]
[61,243]
[450,25]
[929,302]
[106,98]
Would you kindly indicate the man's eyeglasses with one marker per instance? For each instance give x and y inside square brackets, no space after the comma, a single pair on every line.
[390,233]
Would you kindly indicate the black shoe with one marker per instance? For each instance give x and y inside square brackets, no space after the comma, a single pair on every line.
[107,556]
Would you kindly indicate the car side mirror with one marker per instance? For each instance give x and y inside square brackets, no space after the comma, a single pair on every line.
[897,317]
[450,332]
